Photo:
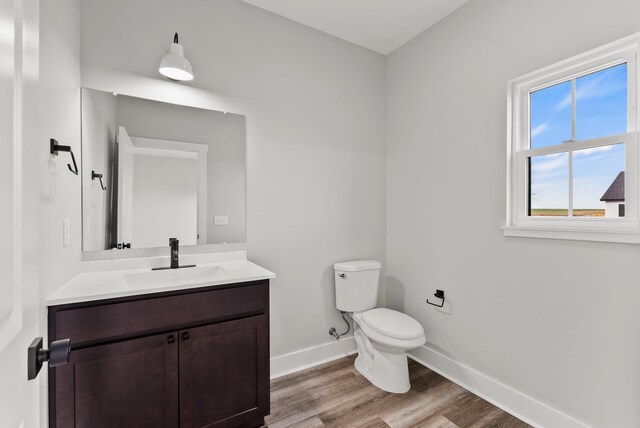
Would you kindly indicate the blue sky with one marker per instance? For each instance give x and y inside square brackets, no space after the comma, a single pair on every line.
[601,109]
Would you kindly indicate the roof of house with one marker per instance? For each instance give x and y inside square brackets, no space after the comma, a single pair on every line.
[615,192]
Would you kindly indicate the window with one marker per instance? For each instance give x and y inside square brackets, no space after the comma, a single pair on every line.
[573,148]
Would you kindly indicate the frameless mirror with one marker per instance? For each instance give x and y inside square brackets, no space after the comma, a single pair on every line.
[153,171]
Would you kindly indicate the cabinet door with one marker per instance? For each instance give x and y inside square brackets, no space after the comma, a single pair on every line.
[224,374]
[126,384]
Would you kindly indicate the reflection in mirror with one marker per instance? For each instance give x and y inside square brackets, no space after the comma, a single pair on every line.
[168,171]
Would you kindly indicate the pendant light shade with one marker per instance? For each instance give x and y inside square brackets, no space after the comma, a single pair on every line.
[174,65]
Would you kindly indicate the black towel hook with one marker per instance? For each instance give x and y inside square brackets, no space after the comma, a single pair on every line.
[55,147]
[94,175]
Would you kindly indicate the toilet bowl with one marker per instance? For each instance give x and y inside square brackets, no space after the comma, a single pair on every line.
[383,336]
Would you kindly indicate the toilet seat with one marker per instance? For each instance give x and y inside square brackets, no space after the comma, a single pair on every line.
[392,324]
[385,339]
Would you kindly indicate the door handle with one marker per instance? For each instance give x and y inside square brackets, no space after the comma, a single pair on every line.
[57,355]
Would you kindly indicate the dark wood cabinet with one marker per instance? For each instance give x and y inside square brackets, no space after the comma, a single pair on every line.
[214,360]
[129,383]
[196,358]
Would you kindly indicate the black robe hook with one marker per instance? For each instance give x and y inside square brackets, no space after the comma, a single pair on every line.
[55,147]
[94,175]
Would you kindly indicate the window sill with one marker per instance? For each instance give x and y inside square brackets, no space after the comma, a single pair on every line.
[603,235]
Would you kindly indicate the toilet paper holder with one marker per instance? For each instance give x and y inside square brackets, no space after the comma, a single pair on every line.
[439,294]
[57,355]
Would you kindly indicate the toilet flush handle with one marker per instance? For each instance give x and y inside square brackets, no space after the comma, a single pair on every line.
[342,275]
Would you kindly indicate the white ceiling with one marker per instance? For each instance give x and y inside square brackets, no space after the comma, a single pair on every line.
[380,25]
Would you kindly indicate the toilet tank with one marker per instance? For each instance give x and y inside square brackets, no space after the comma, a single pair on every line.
[357,284]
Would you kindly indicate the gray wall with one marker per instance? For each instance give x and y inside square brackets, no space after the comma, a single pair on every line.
[57,191]
[556,320]
[59,93]
[315,108]
[99,130]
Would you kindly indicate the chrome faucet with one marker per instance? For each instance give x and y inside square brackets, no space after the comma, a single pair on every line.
[174,256]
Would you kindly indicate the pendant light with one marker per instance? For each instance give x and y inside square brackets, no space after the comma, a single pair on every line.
[174,65]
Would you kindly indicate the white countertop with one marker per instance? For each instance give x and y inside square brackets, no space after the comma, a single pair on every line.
[108,284]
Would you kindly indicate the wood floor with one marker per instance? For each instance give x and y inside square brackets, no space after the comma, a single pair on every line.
[336,395]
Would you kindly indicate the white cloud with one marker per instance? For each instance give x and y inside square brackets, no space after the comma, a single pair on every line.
[564,103]
[597,86]
[539,129]
[550,163]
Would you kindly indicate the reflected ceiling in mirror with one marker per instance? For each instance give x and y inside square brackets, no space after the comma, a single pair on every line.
[153,171]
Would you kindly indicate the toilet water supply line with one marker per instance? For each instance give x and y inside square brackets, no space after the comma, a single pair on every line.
[333,332]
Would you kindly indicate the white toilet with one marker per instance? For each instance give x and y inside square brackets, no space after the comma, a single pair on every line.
[383,336]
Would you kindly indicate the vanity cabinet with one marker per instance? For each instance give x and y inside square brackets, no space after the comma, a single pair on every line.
[123,384]
[192,358]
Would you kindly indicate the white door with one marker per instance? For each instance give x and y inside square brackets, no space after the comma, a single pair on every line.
[166,204]
[21,312]
[125,187]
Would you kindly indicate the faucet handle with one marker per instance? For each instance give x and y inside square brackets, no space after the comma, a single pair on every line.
[173,241]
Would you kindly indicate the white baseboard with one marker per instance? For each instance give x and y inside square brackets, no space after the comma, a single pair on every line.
[305,358]
[518,404]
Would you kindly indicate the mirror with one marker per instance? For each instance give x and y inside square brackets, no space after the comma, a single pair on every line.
[153,171]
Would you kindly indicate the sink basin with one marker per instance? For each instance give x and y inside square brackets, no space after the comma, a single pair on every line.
[169,277]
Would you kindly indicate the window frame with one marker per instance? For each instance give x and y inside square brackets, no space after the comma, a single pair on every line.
[518,222]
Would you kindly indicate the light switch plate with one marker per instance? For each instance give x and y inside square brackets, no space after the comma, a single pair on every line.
[66,232]
[220,220]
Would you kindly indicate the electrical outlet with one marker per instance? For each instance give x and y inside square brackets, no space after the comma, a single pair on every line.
[220,220]
[66,232]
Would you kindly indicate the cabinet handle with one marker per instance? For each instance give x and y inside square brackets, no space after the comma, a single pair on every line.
[185,335]
[171,338]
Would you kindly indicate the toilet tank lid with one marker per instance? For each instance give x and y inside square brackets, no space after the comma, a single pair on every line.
[357,265]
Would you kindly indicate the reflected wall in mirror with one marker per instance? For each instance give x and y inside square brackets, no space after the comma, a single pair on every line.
[170,171]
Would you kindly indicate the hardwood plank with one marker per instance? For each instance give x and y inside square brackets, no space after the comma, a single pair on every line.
[414,412]
[337,395]
[312,422]
[375,401]
[468,409]
[314,399]
[354,409]
[436,421]
[326,369]
[498,418]
[369,422]
[283,388]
